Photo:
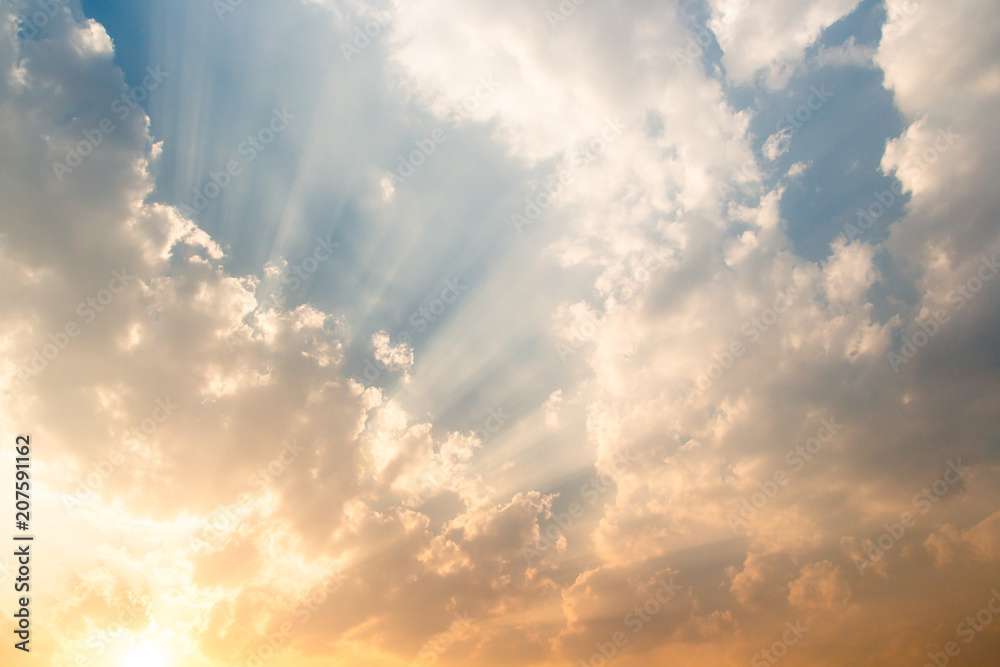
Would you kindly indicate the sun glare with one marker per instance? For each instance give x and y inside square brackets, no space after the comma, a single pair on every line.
[147,654]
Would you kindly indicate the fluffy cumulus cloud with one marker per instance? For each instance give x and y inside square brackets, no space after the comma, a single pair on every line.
[643,428]
[769,37]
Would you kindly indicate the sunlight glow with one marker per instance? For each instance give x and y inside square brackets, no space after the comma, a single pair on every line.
[147,654]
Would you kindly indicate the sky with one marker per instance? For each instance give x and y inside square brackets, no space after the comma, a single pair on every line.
[534,333]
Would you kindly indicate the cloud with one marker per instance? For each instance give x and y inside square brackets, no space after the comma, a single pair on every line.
[218,461]
[980,542]
[820,586]
[770,37]
[394,357]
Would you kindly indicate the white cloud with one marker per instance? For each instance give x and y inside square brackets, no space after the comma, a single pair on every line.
[769,37]
[423,517]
